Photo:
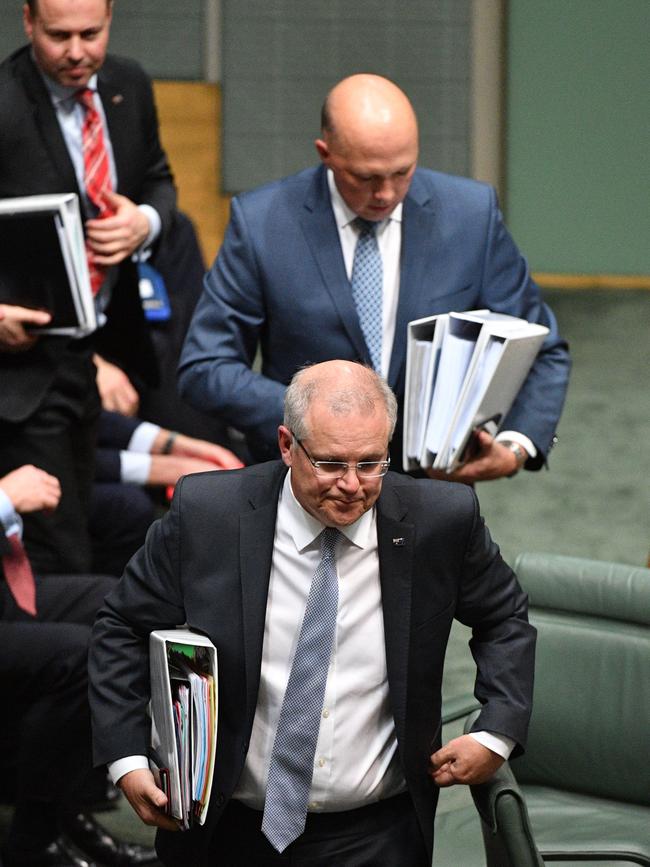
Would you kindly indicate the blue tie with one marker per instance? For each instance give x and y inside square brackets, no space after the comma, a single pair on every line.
[292,760]
[367,283]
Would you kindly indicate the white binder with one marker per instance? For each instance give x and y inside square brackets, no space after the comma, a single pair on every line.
[469,379]
[184,716]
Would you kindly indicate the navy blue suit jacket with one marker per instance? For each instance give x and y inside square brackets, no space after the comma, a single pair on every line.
[208,563]
[279,279]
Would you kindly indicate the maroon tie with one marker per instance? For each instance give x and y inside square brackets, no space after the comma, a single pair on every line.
[97,174]
[19,575]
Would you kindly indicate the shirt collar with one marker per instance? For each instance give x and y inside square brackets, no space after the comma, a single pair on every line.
[305,528]
[60,93]
[344,215]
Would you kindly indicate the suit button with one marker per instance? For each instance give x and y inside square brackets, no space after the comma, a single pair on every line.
[220,799]
[244,748]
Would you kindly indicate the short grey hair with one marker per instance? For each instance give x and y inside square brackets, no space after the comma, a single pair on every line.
[304,388]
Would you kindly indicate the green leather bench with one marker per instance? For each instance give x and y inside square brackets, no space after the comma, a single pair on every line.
[581,792]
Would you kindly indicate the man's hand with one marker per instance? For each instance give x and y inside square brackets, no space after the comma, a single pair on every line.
[219,457]
[147,799]
[114,238]
[463,760]
[14,321]
[115,389]
[491,460]
[31,489]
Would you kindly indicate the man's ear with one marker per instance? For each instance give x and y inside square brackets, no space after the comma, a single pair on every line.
[285,441]
[323,151]
[28,23]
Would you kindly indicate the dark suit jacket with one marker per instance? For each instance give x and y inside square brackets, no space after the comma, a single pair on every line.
[280,278]
[34,159]
[208,563]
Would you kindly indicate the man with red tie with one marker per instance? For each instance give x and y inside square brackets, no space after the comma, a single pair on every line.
[74,119]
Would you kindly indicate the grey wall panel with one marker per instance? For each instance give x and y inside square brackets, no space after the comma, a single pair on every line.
[279,58]
[165,36]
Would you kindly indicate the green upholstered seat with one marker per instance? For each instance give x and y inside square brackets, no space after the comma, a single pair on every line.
[581,792]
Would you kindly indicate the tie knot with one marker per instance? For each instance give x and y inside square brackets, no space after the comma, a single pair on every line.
[365,227]
[329,538]
[86,98]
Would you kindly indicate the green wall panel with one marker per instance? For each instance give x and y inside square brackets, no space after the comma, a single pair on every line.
[578,134]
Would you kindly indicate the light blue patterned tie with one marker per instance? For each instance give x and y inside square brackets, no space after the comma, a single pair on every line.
[292,760]
[367,282]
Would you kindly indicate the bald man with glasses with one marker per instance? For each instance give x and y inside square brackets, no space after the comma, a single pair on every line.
[328,586]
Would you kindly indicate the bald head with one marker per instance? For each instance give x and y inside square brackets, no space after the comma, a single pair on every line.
[370,142]
[366,105]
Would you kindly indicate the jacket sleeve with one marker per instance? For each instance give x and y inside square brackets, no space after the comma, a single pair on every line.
[216,367]
[508,287]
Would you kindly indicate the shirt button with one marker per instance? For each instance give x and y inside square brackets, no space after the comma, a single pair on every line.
[321,762]
[314,805]
[326,713]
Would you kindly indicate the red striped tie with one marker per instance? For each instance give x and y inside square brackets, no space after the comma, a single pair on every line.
[19,575]
[97,174]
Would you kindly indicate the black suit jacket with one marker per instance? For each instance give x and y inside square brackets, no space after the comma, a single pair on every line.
[208,562]
[34,159]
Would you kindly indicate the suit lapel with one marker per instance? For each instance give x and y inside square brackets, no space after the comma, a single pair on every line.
[256,535]
[319,227]
[395,540]
[113,103]
[48,126]
[420,243]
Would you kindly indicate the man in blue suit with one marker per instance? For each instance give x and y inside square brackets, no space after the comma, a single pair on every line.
[282,279]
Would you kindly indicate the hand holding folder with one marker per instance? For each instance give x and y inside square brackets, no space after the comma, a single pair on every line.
[183,668]
[466,381]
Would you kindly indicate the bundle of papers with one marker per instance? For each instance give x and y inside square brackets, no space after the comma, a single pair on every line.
[463,372]
[43,261]
[183,720]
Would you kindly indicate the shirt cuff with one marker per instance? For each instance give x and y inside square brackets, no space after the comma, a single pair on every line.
[134,467]
[155,225]
[520,438]
[9,517]
[116,770]
[143,437]
[499,744]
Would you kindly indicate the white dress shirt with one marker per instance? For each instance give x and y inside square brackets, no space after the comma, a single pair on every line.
[389,241]
[355,762]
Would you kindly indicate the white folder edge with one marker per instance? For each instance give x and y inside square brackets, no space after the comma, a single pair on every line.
[163,738]
[520,348]
[429,328]
[65,212]
[474,319]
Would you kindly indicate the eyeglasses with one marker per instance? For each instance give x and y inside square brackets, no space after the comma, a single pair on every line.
[337,469]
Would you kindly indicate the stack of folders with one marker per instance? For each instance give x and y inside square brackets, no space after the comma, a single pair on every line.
[43,261]
[463,372]
[183,720]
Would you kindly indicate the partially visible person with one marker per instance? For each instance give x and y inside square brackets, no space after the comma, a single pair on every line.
[76,119]
[140,452]
[137,462]
[285,281]
[45,725]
